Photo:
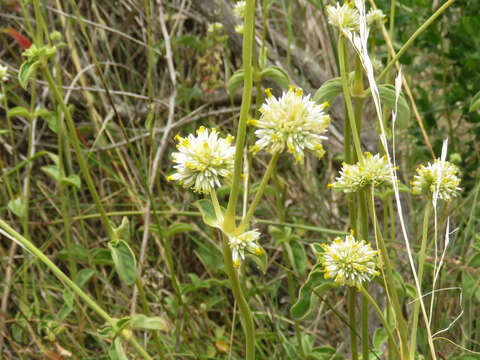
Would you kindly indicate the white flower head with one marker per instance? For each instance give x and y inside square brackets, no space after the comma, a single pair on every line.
[246,241]
[376,18]
[426,180]
[239,9]
[215,27]
[3,73]
[374,171]
[349,262]
[293,122]
[238,29]
[345,18]
[203,160]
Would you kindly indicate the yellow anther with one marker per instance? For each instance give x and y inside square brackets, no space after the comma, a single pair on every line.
[177,138]
[330,185]
[259,251]
[252,122]
[236,263]
[201,129]
[299,92]
[268,91]
[352,232]
[325,104]
[229,138]
[185,142]
[291,88]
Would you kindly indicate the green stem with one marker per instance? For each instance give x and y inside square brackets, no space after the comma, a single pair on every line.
[59,274]
[421,262]
[78,151]
[412,38]
[352,295]
[390,280]
[343,62]
[245,313]
[363,233]
[258,194]
[385,323]
[229,223]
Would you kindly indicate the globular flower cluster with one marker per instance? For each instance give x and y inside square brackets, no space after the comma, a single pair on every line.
[215,27]
[374,171]
[349,262]
[441,175]
[246,241]
[239,9]
[346,17]
[3,73]
[202,161]
[376,18]
[293,122]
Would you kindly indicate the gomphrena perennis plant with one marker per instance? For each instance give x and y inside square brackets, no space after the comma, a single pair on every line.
[203,160]
[349,262]
[293,122]
[245,241]
[346,17]
[375,171]
[441,176]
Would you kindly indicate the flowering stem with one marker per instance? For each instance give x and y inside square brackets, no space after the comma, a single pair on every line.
[385,323]
[421,262]
[390,280]
[65,279]
[412,38]
[352,295]
[342,59]
[229,223]
[363,231]
[259,193]
[245,313]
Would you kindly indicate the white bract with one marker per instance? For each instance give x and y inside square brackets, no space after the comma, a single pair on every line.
[349,262]
[345,17]
[441,176]
[246,241]
[202,161]
[375,170]
[292,122]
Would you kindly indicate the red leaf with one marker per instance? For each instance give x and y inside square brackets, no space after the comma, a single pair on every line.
[19,38]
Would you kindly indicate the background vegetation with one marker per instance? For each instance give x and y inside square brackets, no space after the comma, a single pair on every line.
[134,74]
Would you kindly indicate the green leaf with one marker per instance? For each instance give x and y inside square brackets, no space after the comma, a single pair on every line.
[73,180]
[140,321]
[19,111]
[235,81]
[298,257]
[83,276]
[17,206]
[178,228]
[315,286]
[101,256]
[379,338]
[52,171]
[475,103]
[116,351]
[474,260]
[387,94]
[208,212]
[42,112]
[277,74]
[124,261]
[26,71]
[329,91]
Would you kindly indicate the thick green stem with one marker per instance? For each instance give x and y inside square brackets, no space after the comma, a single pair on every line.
[352,296]
[421,263]
[259,193]
[245,313]
[385,323]
[59,274]
[363,234]
[229,223]
[390,280]
[412,38]
[343,62]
